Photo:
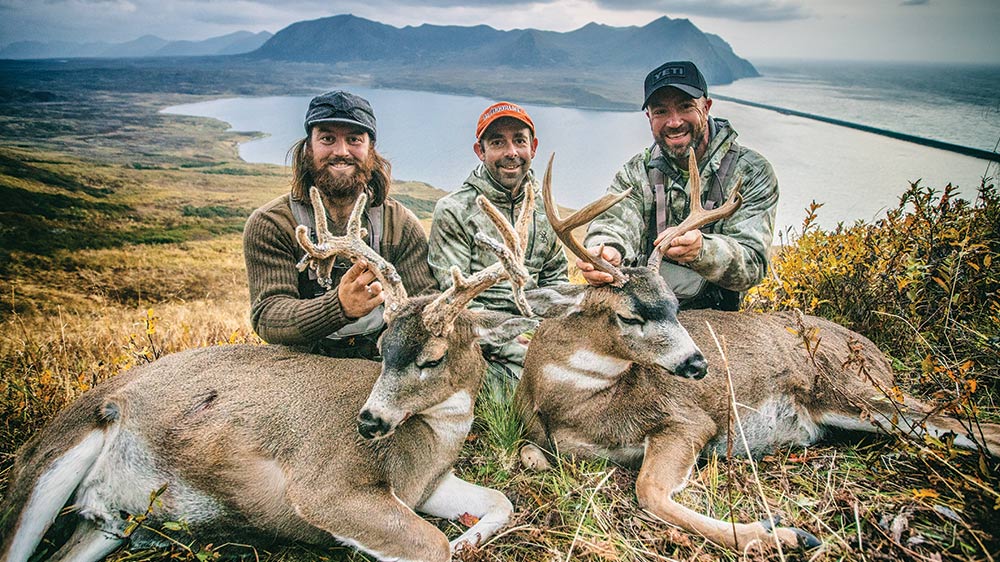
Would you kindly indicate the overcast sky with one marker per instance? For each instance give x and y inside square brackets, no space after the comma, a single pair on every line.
[897,30]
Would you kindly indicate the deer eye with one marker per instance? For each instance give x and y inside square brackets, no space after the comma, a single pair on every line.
[430,363]
[631,320]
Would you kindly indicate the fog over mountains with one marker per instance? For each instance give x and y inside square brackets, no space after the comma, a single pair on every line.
[353,41]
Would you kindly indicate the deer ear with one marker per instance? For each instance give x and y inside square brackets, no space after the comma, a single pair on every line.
[494,329]
[555,300]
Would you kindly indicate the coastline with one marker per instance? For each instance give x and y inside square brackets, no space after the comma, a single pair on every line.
[923,141]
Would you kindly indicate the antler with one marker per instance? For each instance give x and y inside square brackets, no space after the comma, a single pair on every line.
[320,256]
[439,316]
[698,216]
[564,227]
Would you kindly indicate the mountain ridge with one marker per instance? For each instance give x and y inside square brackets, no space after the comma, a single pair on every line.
[346,38]
[235,43]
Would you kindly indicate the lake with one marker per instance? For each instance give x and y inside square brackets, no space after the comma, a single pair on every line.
[428,137]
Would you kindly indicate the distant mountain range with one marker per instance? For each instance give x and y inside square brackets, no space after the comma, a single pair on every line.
[350,41]
[145,46]
[348,38]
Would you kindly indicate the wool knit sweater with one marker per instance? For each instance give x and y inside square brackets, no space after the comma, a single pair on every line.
[279,312]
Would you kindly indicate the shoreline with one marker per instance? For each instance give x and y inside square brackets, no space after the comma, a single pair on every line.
[923,141]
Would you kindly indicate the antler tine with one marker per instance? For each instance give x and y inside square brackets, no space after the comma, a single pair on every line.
[439,316]
[524,219]
[322,254]
[511,252]
[564,227]
[698,217]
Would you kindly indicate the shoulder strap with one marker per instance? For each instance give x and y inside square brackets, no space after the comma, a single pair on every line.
[375,224]
[656,182]
[716,194]
[303,215]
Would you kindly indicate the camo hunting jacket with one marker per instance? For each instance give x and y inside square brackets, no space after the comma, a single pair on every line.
[457,219]
[734,250]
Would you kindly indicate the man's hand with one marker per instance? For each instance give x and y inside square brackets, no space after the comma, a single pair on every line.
[359,291]
[598,278]
[684,248]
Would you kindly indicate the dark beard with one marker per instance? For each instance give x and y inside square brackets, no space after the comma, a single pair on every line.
[340,187]
[681,154]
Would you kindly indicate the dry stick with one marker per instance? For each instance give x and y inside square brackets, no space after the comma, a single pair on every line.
[857,526]
[746,445]
[590,503]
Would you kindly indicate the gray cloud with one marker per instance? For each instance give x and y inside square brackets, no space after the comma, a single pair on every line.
[915,2]
[739,10]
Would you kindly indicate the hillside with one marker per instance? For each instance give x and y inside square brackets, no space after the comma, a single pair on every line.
[350,39]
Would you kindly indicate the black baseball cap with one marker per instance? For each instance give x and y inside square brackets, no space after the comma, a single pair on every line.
[683,75]
[341,107]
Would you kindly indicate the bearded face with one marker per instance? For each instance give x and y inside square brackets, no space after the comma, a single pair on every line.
[340,160]
[679,123]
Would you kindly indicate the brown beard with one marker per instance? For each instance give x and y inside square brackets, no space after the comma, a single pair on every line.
[336,186]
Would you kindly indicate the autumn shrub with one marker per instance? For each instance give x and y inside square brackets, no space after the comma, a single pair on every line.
[921,283]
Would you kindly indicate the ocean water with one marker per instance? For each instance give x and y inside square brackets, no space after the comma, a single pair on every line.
[958,104]
[856,175]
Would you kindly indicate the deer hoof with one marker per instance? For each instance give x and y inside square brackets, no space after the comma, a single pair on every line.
[806,539]
[532,458]
[803,539]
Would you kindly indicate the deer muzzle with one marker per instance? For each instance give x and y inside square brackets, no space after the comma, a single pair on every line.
[373,426]
[694,366]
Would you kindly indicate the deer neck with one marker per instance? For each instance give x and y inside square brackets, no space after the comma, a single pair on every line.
[588,363]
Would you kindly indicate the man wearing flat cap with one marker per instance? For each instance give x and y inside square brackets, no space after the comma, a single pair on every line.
[505,145]
[338,157]
[713,266]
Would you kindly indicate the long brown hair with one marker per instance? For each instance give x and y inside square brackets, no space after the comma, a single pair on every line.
[302,178]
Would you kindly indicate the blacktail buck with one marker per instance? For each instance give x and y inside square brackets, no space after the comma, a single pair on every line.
[617,373]
[261,443]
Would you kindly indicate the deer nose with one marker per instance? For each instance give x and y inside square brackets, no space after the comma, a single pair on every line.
[370,426]
[694,367]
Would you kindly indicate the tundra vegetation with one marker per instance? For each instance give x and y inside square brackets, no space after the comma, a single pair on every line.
[119,243]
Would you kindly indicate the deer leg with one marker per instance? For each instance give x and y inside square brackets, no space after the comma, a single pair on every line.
[532,456]
[912,417]
[455,497]
[375,522]
[88,543]
[534,459]
[669,460]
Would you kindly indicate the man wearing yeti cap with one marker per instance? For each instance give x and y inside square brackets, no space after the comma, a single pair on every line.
[707,268]
[505,145]
[338,157]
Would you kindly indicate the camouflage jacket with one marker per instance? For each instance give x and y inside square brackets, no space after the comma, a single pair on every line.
[457,219]
[734,250]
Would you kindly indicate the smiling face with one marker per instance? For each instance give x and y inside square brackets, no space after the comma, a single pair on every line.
[678,123]
[506,149]
[340,158]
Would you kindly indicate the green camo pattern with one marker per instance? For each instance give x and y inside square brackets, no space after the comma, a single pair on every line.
[456,221]
[734,251]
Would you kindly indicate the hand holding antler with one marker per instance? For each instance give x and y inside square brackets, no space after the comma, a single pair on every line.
[367,261]
[686,234]
[684,248]
[563,228]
